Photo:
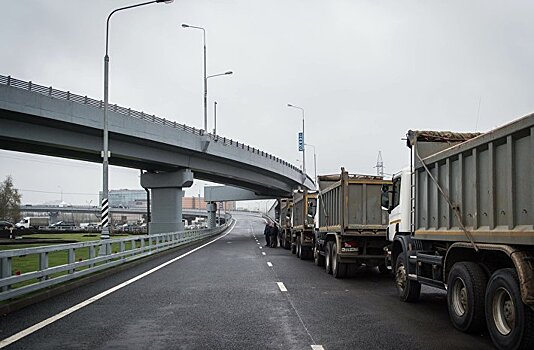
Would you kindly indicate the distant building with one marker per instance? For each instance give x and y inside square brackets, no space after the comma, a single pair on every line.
[126,198]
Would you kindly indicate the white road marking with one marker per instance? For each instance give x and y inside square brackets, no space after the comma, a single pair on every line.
[258,243]
[263,253]
[270,264]
[281,286]
[16,337]
[260,247]
[317,347]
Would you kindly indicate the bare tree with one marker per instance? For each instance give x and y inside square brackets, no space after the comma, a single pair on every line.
[9,201]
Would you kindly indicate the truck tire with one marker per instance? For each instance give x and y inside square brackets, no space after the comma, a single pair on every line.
[299,249]
[318,259]
[409,290]
[328,257]
[510,322]
[466,288]
[339,270]
[293,248]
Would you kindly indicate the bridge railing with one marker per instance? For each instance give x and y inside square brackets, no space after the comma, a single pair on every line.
[67,95]
[27,270]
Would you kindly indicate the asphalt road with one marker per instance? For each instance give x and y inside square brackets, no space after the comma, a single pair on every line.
[226,296]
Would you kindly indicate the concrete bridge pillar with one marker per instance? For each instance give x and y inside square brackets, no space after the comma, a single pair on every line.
[166,201]
[212,214]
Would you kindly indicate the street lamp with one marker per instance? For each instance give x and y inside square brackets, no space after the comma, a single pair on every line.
[215,104]
[215,118]
[206,77]
[105,152]
[303,150]
[314,162]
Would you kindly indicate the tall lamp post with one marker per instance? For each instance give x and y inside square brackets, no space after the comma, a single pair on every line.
[303,148]
[314,162]
[215,104]
[215,118]
[105,152]
[206,77]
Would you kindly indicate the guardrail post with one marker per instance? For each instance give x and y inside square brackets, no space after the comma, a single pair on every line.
[9,80]
[122,248]
[142,245]
[43,264]
[157,242]
[5,270]
[134,246]
[71,258]
[29,86]
[92,254]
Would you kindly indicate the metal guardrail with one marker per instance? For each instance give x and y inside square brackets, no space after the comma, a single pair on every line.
[67,95]
[84,258]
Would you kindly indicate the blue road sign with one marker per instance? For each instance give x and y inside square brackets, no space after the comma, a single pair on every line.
[301,142]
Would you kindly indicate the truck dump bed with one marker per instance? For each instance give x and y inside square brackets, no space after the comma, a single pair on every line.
[351,204]
[488,179]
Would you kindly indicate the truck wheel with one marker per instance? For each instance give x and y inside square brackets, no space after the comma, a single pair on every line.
[408,290]
[293,248]
[299,250]
[466,287]
[328,257]
[510,322]
[318,259]
[339,270]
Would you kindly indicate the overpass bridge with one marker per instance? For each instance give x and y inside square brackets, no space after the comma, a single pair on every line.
[43,120]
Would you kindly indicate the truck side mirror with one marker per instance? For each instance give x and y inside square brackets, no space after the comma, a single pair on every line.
[384,202]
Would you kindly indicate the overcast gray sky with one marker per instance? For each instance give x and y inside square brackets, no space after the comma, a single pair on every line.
[364,71]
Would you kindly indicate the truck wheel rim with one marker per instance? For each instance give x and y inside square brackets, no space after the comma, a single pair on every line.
[503,311]
[459,297]
[400,277]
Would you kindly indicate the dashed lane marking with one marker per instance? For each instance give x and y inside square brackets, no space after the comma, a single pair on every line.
[281,286]
[17,336]
[263,253]
[317,347]
[270,264]
[260,247]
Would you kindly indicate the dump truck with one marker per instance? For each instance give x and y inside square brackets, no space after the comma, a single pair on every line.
[303,223]
[352,224]
[284,220]
[462,220]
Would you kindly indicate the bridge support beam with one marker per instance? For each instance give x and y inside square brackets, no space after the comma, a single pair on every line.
[212,214]
[166,200]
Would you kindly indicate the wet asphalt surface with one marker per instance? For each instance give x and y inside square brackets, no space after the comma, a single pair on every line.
[225,296]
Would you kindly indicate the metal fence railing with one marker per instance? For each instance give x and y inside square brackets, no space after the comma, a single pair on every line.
[29,269]
[67,95]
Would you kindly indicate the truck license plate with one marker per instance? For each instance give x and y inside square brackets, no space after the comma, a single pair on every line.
[349,249]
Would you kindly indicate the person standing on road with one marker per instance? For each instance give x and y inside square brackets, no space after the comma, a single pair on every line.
[267,233]
[274,235]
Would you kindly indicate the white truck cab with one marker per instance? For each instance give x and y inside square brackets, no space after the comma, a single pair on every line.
[398,204]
